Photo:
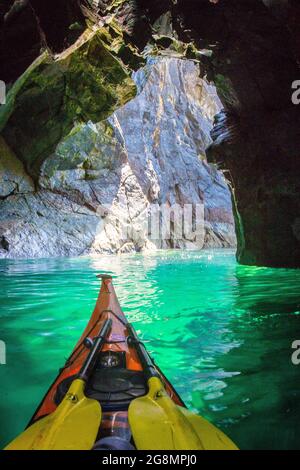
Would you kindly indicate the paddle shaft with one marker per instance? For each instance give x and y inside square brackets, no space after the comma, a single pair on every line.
[92,356]
[144,357]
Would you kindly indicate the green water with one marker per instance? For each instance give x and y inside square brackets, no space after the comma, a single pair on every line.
[222,333]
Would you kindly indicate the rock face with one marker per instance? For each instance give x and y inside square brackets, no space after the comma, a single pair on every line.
[164,133]
[258,139]
[249,48]
[103,177]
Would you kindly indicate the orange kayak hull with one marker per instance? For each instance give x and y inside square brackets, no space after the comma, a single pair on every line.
[107,307]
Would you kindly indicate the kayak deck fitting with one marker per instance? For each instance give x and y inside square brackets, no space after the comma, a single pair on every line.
[111,395]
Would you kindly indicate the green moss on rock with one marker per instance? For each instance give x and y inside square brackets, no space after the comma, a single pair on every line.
[85,82]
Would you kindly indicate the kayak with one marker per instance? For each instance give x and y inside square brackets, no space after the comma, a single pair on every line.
[110,395]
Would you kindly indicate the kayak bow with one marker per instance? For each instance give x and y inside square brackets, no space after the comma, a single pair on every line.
[110,395]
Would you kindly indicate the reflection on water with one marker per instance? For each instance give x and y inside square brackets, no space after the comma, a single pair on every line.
[221,332]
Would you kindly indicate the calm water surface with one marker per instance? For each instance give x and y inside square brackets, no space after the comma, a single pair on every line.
[222,333]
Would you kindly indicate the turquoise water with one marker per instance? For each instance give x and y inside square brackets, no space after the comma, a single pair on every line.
[222,333]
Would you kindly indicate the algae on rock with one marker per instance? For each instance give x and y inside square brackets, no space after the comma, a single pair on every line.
[85,82]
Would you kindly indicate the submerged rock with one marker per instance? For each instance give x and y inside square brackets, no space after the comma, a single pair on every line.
[94,191]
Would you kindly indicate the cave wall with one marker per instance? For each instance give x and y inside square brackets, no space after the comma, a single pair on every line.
[86,81]
[30,26]
[94,193]
[255,60]
[257,140]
